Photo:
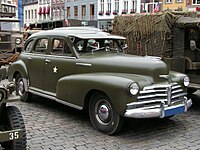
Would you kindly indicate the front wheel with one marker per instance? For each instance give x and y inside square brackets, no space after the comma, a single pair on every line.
[103,115]
[20,88]
[12,119]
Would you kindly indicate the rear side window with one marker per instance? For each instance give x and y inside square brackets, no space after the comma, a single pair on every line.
[41,46]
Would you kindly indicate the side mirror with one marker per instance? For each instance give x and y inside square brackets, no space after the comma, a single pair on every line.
[193,45]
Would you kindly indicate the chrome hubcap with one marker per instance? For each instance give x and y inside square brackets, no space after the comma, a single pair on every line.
[21,88]
[103,112]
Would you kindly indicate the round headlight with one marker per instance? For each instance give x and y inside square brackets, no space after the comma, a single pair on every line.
[18,41]
[186,81]
[134,88]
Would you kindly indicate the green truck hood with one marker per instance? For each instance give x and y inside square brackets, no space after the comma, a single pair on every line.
[122,63]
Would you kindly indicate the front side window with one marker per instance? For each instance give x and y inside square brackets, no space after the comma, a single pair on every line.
[41,46]
[28,47]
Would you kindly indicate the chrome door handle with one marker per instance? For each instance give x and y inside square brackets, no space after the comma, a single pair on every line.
[47,60]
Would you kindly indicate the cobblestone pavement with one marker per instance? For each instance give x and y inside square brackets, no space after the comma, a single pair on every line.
[51,125]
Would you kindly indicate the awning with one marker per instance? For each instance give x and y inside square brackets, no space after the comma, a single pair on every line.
[40,11]
[48,10]
[44,10]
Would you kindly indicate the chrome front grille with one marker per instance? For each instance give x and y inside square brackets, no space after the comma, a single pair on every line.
[166,93]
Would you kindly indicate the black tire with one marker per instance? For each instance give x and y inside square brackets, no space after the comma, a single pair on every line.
[20,89]
[103,115]
[191,90]
[12,119]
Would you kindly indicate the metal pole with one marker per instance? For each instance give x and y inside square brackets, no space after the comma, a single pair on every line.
[153,6]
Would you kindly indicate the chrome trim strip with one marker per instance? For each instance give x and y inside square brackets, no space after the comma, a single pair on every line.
[151,96]
[55,99]
[84,64]
[145,102]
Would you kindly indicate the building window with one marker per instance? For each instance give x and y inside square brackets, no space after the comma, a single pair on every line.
[68,11]
[179,1]
[196,2]
[83,12]
[108,6]
[102,6]
[75,10]
[26,14]
[134,5]
[29,14]
[35,13]
[168,1]
[125,6]
[116,6]
[91,11]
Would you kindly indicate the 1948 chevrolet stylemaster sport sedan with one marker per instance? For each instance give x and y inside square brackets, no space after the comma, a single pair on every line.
[86,68]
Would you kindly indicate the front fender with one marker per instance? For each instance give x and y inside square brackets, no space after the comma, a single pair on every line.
[18,66]
[74,88]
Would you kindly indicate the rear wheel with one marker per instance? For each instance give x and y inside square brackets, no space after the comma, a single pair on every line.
[103,115]
[20,88]
[12,119]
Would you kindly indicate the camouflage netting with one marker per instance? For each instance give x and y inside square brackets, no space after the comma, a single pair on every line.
[151,34]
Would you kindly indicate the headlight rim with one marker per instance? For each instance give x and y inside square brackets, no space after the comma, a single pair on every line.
[186,81]
[20,41]
[134,89]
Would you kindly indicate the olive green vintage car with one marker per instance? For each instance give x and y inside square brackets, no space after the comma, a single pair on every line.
[86,68]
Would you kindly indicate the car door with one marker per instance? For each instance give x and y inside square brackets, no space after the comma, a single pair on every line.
[58,63]
[35,64]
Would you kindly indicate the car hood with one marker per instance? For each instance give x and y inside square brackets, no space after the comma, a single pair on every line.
[123,63]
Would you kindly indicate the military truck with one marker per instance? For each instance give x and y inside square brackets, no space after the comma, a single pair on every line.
[12,128]
[172,36]
[11,40]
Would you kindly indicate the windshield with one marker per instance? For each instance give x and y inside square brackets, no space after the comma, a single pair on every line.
[93,45]
[10,26]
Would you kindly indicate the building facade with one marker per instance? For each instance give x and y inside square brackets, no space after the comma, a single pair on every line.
[182,5]
[174,5]
[45,10]
[84,10]
[108,9]
[30,10]
[8,8]
[193,5]
[58,11]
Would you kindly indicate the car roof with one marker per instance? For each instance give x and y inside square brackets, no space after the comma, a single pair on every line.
[80,32]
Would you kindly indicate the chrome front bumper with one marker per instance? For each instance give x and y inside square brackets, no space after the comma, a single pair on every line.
[160,111]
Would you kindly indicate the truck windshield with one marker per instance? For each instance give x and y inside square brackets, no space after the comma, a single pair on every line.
[9,26]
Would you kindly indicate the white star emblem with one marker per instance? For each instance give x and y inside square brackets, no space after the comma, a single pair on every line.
[80,47]
[55,69]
